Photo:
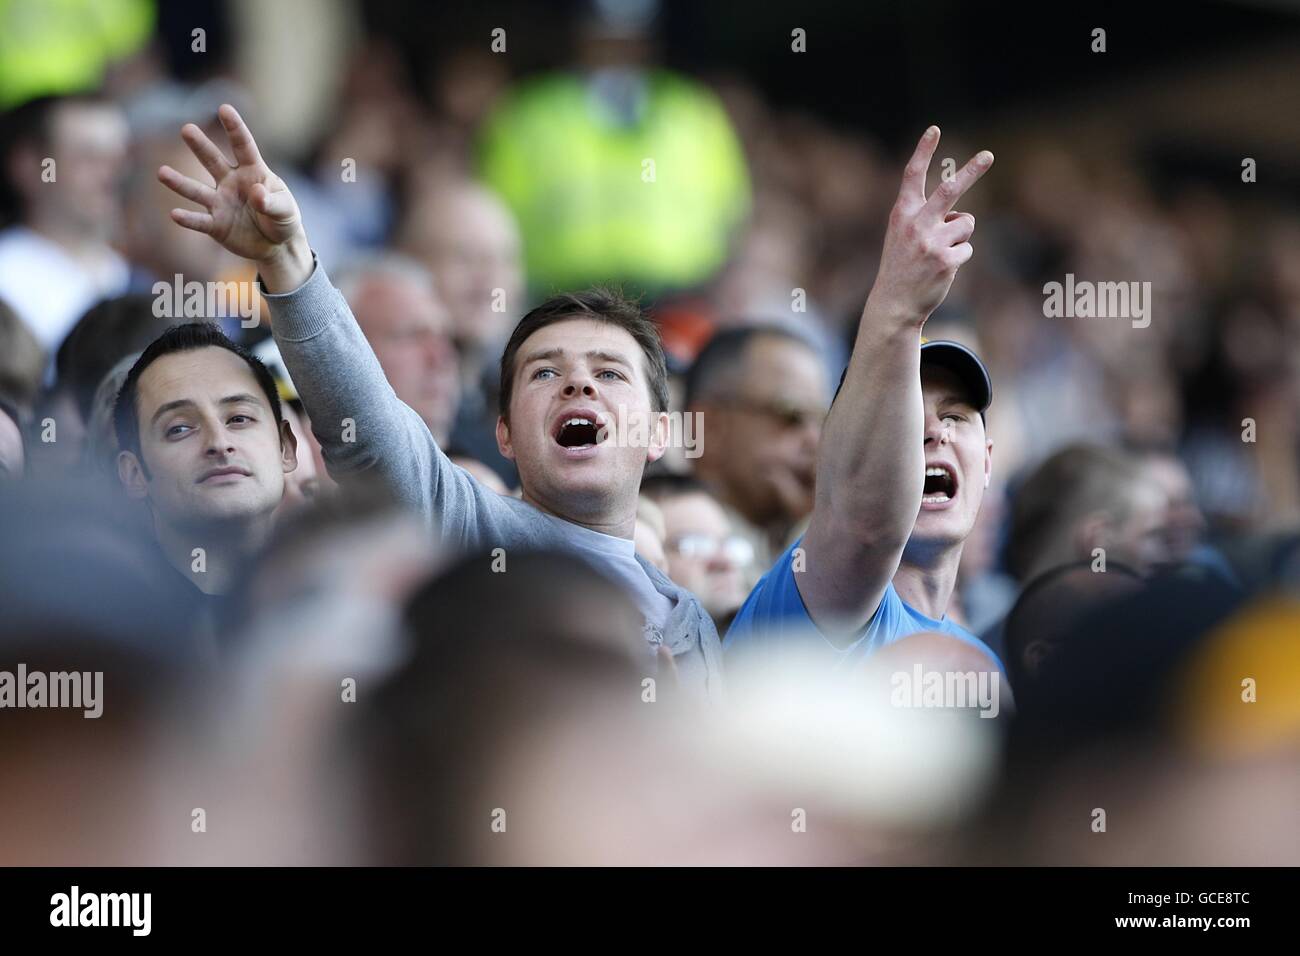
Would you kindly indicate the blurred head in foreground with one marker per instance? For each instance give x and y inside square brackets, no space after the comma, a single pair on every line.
[96,780]
[1045,613]
[1169,735]
[529,727]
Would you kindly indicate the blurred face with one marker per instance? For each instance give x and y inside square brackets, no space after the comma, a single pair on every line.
[958,462]
[150,237]
[760,446]
[471,245]
[210,449]
[407,326]
[704,556]
[88,145]
[1184,523]
[1140,540]
[649,546]
[577,382]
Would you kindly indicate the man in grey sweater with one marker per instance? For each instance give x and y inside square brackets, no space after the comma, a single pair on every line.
[583,405]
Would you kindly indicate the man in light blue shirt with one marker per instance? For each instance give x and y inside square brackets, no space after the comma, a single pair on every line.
[904,458]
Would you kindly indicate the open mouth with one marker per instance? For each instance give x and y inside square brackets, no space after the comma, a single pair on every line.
[578,430]
[940,485]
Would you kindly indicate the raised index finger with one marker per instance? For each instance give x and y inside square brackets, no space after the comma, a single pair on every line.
[947,195]
[913,187]
[241,140]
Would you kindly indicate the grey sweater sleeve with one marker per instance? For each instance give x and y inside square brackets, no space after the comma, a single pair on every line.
[364,427]
[357,417]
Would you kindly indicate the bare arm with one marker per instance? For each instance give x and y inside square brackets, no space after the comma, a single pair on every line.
[871,466]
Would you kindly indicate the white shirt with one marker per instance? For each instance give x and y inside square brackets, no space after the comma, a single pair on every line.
[48,288]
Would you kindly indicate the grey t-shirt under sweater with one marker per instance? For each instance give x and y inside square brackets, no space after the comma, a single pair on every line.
[338,377]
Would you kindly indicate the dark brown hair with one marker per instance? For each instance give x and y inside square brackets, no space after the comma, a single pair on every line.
[182,338]
[602,305]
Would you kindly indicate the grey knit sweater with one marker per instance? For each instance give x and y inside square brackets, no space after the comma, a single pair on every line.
[347,397]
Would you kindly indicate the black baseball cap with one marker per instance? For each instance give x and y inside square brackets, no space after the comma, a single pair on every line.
[963,363]
[959,360]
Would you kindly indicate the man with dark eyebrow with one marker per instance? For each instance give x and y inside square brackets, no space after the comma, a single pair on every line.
[579,486]
[205,446]
[580,373]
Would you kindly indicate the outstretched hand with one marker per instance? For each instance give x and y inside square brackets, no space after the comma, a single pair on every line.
[247,208]
[926,242]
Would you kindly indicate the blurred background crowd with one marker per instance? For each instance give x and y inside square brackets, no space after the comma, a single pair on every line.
[456,163]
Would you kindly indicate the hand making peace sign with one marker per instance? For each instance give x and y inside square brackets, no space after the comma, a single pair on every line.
[926,241]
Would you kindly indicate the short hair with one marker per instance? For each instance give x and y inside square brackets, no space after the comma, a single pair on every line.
[107,332]
[602,305]
[1052,604]
[716,370]
[1072,483]
[101,448]
[182,338]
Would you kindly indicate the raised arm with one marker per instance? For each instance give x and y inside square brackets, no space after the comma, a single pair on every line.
[360,422]
[871,467]
[249,210]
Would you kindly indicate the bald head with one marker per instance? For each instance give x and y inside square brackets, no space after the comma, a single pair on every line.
[470,242]
[933,669]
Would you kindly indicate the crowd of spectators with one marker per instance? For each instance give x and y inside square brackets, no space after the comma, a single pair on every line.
[333,683]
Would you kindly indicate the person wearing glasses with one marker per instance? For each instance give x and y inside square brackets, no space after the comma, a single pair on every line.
[762,393]
[705,555]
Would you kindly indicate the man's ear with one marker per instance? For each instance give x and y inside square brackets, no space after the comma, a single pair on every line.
[1092,532]
[503,440]
[988,462]
[288,447]
[131,473]
[660,435]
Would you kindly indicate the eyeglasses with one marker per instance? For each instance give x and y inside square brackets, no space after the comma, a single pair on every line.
[787,414]
[706,547]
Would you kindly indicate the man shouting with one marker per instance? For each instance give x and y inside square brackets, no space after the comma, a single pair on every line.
[904,457]
[580,372]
